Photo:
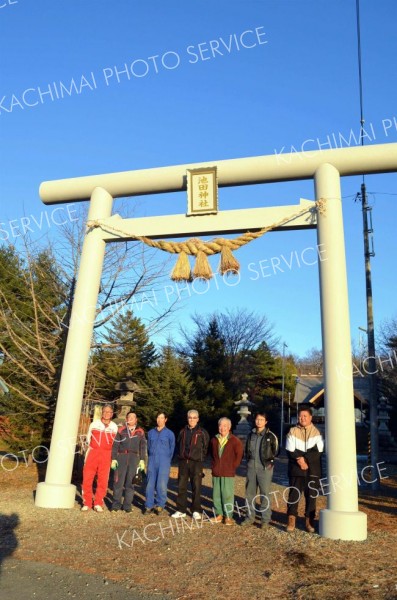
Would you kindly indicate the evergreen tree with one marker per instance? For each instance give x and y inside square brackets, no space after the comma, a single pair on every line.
[123,348]
[231,353]
[37,288]
[166,386]
[32,295]
[210,374]
[261,376]
[387,370]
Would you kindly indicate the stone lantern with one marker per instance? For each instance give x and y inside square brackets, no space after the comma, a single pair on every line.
[385,437]
[243,426]
[124,402]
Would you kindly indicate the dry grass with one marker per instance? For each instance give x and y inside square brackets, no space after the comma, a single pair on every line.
[210,561]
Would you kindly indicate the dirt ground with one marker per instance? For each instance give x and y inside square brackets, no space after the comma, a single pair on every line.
[156,557]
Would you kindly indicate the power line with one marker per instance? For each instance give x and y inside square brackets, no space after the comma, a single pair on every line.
[360,78]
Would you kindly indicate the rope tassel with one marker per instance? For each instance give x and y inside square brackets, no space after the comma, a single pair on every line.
[194,247]
[228,264]
[202,269]
[181,271]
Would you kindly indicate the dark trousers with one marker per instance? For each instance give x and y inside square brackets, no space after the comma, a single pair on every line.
[122,481]
[189,470]
[302,486]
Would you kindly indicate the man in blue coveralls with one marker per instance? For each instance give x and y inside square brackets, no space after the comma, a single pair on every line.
[161,445]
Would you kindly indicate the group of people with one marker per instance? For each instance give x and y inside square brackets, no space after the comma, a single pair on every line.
[126,451]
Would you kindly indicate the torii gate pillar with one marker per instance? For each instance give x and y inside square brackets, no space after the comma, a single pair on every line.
[341,520]
[57,491]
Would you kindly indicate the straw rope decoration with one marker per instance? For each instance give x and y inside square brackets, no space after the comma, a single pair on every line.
[201,250]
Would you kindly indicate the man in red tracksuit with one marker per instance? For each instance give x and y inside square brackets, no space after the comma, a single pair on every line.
[100,436]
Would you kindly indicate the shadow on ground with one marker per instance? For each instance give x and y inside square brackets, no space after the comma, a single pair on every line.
[8,538]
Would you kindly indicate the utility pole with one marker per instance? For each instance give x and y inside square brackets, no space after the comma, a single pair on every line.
[371,371]
[297,380]
[366,209]
[282,396]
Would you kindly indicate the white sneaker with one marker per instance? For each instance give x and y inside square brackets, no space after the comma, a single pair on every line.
[178,515]
[85,508]
[196,516]
[98,508]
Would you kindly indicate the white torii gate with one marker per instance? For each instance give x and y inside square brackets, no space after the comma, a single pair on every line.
[341,519]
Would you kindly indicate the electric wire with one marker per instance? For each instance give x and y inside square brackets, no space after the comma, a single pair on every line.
[360,78]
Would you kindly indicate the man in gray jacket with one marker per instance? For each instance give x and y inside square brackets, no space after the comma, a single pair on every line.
[260,450]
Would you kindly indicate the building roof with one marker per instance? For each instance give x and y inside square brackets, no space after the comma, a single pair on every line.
[310,389]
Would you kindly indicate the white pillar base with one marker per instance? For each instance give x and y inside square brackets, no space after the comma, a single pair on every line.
[341,525]
[51,495]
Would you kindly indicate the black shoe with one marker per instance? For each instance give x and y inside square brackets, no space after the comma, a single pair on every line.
[127,510]
[148,511]
[115,509]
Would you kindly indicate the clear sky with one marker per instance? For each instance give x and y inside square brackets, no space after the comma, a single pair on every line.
[97,86]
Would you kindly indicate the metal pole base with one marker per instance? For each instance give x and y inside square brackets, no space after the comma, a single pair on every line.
[340,525]
[50,495]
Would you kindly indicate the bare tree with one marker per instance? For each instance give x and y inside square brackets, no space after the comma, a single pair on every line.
[244,330]
[240,329]
[35,301]
[311,363]
[131,276]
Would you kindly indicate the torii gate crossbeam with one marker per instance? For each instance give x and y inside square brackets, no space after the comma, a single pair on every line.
[341,519]
[380,158]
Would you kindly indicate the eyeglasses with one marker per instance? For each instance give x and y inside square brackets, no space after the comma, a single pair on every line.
[195,418]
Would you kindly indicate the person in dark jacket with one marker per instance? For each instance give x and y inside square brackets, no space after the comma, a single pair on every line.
[128,452]
[192,443]
[304,446]
[227,452]
[261,448]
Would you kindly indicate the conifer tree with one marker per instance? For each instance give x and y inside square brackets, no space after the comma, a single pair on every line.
[36,295]
[387,369]
[124,347]
[31,296]
[231,353]
[166,386]
[210,374]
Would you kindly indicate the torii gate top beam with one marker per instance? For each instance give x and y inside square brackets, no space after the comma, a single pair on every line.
[380,158]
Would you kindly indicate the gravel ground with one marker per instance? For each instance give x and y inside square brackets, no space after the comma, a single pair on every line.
[47,553]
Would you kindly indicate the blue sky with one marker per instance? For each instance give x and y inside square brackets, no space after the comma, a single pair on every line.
[297,81]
